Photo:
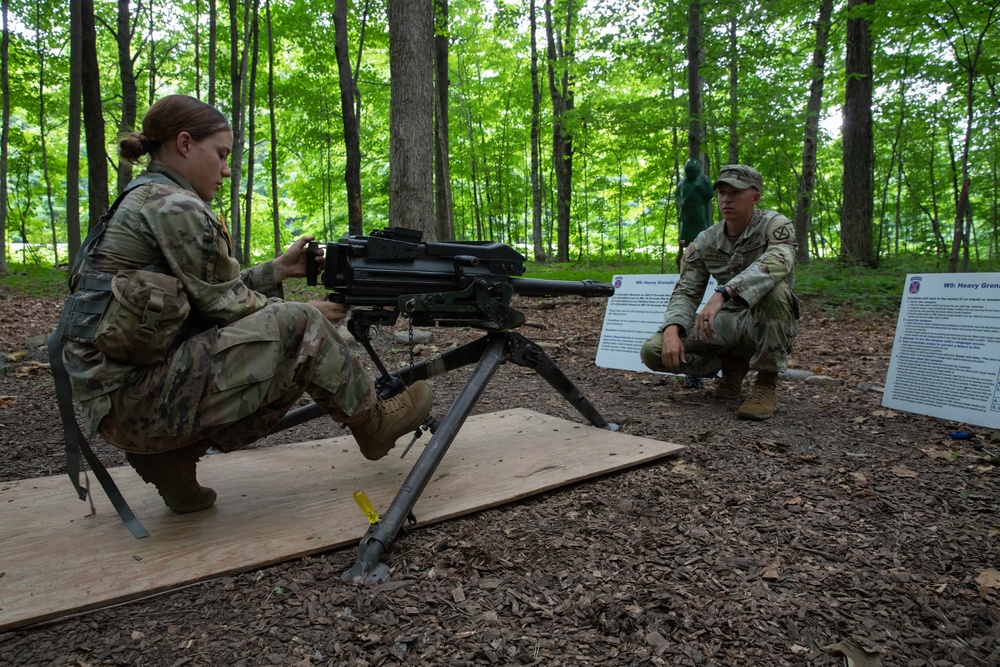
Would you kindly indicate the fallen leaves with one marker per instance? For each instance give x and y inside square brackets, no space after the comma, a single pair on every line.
[29,368]
[939,454]
[989,578]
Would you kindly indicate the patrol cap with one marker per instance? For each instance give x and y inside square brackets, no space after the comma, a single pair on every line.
[740,176]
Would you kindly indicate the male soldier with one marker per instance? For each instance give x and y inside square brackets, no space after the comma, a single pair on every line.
[750,320]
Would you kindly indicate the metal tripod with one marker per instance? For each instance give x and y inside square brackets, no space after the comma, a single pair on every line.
[488,353]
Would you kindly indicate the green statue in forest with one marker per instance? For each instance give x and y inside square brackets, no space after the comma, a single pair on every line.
[694,205]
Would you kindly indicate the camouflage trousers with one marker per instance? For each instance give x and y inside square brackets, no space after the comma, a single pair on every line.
[764,334]
[229,386]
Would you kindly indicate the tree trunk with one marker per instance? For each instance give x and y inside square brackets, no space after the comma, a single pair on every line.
[536,192]
[803,212]
[239,53]
[935,216]
[43,140]
[473,165]
[695,55]
[275,213]
[93,118]
[960,235]
[560,52]
[73,133]
[967,50]
[151,40]
[251,132]
[4,134]
[213,38]
[444,219]
[856,216]
[734,142]
[411,116]
[123,36]
[197,49]
[352,137]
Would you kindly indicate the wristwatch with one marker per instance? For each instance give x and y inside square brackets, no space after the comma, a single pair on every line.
[721,289]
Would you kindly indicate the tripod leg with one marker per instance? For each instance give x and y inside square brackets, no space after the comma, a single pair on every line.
[529,354]
[381,535]
[445,362]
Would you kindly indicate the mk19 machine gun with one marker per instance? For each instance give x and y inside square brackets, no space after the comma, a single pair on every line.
[393,273]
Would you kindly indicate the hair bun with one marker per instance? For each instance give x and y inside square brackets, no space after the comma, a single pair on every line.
[145,143]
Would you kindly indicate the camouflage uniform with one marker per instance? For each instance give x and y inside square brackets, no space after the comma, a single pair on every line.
[244,357]
[760,322]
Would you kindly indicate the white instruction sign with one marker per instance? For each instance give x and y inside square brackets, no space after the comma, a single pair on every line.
[633,314]
[946,354]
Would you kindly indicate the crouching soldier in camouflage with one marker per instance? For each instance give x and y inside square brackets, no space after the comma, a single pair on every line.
[751,320]
[186,352]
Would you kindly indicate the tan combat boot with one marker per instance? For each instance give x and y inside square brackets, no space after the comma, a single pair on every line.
[377,423]
[173,474]
[762,401]
[734,369]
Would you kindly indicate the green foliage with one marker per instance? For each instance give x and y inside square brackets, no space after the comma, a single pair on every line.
[833,284]
[33,280]
[629,122]
[824,284]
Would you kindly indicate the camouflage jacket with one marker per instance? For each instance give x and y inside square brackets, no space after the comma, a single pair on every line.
[171,228]
[763,256]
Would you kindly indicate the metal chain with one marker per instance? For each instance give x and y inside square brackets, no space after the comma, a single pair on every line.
[411,342]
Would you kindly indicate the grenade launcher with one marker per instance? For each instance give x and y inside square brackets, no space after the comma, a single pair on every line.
[435,284]
[391,273]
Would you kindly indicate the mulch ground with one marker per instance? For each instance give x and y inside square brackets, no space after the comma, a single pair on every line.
[837,528]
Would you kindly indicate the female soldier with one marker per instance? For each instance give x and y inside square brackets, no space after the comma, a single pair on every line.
[190,352]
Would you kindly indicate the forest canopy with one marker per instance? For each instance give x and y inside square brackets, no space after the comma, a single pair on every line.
[608,87]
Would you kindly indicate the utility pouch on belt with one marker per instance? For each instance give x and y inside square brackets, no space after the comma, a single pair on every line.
[85,307]
[144,317]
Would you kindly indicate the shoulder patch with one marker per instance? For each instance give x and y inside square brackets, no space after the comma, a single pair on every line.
[781,233]
[689,250]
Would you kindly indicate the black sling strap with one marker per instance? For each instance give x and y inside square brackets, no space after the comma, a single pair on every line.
[77,445]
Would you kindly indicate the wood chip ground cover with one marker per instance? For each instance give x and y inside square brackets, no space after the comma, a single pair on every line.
[836,531]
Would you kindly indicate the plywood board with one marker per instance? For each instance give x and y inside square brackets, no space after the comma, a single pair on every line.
[275,504]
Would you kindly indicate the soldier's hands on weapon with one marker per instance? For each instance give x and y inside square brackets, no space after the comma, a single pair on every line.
[335,312]
[292,264]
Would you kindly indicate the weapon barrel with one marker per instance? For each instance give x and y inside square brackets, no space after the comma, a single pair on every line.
[540,287]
